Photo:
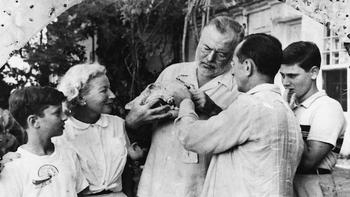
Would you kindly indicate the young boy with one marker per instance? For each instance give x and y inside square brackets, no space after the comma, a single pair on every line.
[321,118]
[43,169]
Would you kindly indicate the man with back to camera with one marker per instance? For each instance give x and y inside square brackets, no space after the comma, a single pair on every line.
[256,142]
[170,170]
[321,119]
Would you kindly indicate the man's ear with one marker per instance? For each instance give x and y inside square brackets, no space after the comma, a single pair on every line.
[314,72]
[32,121]
[249,66]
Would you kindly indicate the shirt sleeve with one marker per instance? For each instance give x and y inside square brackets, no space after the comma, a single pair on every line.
[327,124]
[165,75]
[160,77]
[219,133]
[124,135]
[10,181]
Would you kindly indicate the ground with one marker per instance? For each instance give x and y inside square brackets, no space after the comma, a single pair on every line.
[342,178]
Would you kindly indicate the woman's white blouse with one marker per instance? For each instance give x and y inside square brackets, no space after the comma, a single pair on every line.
[101,148]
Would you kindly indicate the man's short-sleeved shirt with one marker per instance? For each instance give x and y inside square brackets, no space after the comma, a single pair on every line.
[170,170]
[102,150]
[322,119]
[55,175]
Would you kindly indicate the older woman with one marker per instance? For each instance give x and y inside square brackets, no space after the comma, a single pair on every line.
[98,138]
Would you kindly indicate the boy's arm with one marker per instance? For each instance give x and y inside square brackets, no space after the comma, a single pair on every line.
[326,126]
[313,154]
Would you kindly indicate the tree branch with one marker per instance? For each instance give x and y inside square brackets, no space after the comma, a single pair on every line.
[184,35]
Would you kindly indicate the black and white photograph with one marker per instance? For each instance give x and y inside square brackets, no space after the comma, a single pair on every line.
[174,98]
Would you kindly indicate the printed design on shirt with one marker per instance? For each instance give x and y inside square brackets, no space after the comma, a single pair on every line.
[45,174]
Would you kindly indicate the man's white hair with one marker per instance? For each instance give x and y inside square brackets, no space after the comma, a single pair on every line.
[77,77]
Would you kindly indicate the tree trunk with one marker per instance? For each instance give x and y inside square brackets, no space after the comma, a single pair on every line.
[184,35]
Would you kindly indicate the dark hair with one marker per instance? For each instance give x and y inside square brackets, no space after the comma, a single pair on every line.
[265,50]
[33,101]
[305,54]
[224,24]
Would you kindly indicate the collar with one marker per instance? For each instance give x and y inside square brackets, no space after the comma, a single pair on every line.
[225,79]
[265,87]
[191,73]
[307,103]
[102,122]
[188,73]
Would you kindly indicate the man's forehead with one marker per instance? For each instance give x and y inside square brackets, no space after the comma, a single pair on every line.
[290,69]
[212,34]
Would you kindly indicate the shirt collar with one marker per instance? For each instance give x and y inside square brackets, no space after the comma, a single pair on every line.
[307,103]
[188,74]
[265,87]
[102,122]
[226,79]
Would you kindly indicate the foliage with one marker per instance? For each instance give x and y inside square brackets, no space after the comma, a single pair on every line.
[129,33]
[334,14]
[57,49]
[4,93]
[196,9]
[150,28]
[17,76]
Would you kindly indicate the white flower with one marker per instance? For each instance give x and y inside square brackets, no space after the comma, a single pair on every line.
[72,93]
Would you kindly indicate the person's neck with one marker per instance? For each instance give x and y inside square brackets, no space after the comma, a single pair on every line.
[39,145]
[202,80]
[255,81]
[86,116]
[309,93]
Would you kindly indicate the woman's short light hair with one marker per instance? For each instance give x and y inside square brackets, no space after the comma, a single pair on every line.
[75,81]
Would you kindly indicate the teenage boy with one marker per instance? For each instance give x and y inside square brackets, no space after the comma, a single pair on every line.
[43,169]
[321,119]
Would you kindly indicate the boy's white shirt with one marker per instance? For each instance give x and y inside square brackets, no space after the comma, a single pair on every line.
[55,175]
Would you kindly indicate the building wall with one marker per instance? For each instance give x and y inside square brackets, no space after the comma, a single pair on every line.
[288,25]
[281,21]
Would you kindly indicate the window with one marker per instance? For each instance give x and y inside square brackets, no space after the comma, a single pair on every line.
[293,31]
[335,65]
[335,84]
[334,51]
[259,21]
